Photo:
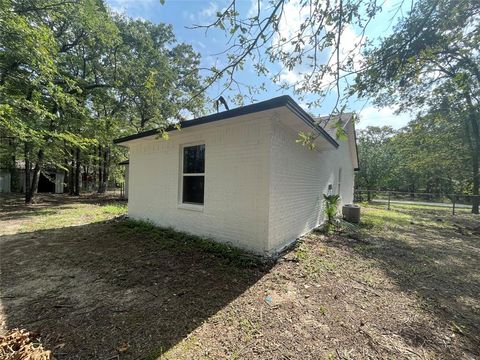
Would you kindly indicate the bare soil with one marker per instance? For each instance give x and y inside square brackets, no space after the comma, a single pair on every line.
[406,285]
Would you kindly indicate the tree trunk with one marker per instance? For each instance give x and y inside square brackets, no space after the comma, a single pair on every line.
[100,174]
[85,184]
[106,165]
[475,148]
[65,176]
[65,165]
[71,175]
[77,171]
[94,171]
[475,166]
[36,176]
[26,187]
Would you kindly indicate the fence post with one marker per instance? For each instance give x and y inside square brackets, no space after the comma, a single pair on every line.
[453,204]
[389,200]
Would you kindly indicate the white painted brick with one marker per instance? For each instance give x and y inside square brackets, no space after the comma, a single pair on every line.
[299,178]
[236,188]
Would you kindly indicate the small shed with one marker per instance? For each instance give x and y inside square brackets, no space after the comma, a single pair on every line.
[5,181]
[50,180]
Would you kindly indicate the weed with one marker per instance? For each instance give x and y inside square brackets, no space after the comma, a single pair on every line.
[168,238]
[368,279]
[249,328]
[313,263]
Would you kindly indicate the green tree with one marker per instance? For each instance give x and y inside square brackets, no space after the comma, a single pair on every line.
[73,77]
[427,155]
[432,156]
[376,157]
[156,76]
[432,63]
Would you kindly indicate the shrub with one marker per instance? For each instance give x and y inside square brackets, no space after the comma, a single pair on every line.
[330,208]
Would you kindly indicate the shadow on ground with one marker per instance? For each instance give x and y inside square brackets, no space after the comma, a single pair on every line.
[94,291]
[436,258]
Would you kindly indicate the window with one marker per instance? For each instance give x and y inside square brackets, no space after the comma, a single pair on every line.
[339,180]
[193,174]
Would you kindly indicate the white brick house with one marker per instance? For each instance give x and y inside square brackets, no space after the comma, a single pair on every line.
[239,176]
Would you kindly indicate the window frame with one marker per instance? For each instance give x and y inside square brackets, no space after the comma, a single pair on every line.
[182,174]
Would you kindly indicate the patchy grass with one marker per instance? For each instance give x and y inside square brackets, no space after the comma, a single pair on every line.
[56,212]
[314,261]
[381,218]
[66,215]
[402,285]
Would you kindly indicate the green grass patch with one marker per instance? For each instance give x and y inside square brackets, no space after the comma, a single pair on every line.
[114,208]
[249,328]
[68,215]
[374,217]
[313,263]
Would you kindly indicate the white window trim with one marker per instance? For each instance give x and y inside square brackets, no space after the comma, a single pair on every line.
[186,205]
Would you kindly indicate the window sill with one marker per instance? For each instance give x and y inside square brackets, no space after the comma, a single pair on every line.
[192,207]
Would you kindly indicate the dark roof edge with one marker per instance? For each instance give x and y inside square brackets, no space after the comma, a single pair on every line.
[302,114]
[273,103]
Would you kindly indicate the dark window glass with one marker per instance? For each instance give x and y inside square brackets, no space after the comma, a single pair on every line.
[193,189]
[194,159]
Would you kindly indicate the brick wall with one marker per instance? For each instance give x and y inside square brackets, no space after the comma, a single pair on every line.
[299,178]
[262,189]
[236,187]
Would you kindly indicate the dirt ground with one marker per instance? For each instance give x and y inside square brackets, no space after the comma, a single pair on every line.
[405,285]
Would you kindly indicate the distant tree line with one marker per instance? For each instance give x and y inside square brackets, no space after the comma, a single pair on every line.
[429,155]
[74,76]
[430,65]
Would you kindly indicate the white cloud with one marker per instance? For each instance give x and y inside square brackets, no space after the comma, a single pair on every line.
[122,6]
[291,77]
[372,116]
[204,16]
[254,5]
[209,11]
[294,15]
[350,45]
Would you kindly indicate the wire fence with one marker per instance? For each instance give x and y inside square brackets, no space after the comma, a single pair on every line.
[455,202]
[115,189]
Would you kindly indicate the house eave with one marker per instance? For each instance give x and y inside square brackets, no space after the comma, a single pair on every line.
[281,101]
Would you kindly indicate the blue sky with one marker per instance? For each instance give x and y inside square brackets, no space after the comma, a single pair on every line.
[184,13]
